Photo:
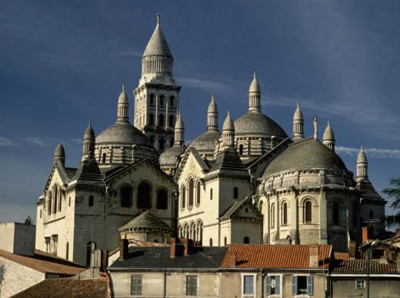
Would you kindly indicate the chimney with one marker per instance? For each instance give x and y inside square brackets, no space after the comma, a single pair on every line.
[172,251]
[314,260]
[176,247]
[364,234]
[187,246]
[352,249]
[124,249]
[232,259]
[104,260]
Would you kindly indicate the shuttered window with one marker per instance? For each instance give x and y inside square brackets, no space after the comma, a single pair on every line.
[272,285]
[302,285]
[191,285]
[248,284]
[136,285]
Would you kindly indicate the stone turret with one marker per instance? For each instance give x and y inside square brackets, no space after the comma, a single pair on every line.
[298,124]
[362,166]
[329,137]
[59,155]
[212,115]
[123,107]
[88,143]
[254,96]
[179,136]
[228,132]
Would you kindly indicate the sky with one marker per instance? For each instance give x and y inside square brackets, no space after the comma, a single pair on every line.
[62,63]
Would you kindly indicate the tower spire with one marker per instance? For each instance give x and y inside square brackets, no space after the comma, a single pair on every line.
[212,115]
[158,18]
[179,135]
[59,154]
[228,132]
[298,124]
[329,137]
[362,166]
[89,140]
[123,107]
[254,95]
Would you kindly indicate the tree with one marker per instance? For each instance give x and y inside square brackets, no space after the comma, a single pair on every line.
[393,192]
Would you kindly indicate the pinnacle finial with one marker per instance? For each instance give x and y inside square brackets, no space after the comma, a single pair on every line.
[90,123]
[158,18]
[123,87]
[255,76]
[315,120]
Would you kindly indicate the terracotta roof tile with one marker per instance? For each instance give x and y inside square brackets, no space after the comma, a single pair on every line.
[341,255]
[67,287]
[275,256]
[44,262]
[360,267]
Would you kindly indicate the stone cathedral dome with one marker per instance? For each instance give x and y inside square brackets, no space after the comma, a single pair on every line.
[258,124]
[124,134]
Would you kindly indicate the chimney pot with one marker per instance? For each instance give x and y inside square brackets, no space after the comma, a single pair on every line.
[364,234]
[124,249]
[314,260]
[232,259]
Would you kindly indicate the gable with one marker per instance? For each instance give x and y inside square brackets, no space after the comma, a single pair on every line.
[192,166]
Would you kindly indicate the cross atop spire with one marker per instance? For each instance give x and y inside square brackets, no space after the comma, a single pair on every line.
[158,18]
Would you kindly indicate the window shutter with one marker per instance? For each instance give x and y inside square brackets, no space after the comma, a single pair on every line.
[278,285]
[310,285]
[294,285]
[268,285]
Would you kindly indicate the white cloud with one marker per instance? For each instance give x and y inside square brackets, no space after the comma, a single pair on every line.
[370,152]
[36,141]
[5,142]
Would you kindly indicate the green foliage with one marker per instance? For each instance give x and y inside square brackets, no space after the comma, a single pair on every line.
[393,192]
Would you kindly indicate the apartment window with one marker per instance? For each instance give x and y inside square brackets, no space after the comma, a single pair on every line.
[302,285]
[191,285]
[248,285]
[272,285]
[136,285]
[360,284]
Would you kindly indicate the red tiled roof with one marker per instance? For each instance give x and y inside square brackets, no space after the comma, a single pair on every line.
[275,256]
[68,287]
[44,262]
[360,267]
[341,255]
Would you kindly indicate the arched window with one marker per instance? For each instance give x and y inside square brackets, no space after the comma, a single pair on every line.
[151,119]
[272,215]
[55,200]
[91,201]
[60,197]
[162,199]
[67,251]
[186,231]
[211,242]
[335,215]
[307,212]
[144,196]
[246,240]
[200,232]
[171,101]
[69,202]
[211,194]
[284,213]
[40,213]
[161,120]
[193,231]
[104,158]
[241,149]
[151,99]
[183,197]
[161,100]
[126,196]
[171,120]
[225,241]
[191,193]
[49,202]
[235,192]
[198,189]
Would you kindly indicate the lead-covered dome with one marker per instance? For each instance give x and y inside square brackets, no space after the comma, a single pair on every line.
[258,124]
[169,157]
[124,134]
[305,155]
[206,141]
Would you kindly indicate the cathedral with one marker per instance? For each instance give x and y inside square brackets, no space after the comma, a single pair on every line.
[247,182]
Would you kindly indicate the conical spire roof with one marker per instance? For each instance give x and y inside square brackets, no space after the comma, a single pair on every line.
[228,123]
[298,114]
[123,97]
[212,107]
[59,152]
[328,134]
[362,158]
[254,86]
[89,133]
[179,122]
[157,45]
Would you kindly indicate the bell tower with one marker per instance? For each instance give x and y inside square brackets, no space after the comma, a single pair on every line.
[157,96]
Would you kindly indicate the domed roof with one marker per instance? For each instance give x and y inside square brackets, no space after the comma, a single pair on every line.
[206,141]
[328,134]
[122,133]
[228,123]
[258,124]
[305,155]
[157,45]
[169,156]
[146,222]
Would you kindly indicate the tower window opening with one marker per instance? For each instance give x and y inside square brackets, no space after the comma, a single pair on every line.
[198,197]
[161,121]
[183,197]
[161,100]
[246,240]
[235,193]
[191,193]
[151,99]
[162,199]
[171,101]
[151,119]
[308,212]
[171,120]
[144,196]
[336,210]
[126,196]
[241,149]
[91,201]
[104,158]
[284,213]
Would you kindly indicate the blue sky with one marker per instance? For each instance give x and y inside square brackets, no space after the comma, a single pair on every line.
[62,63]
